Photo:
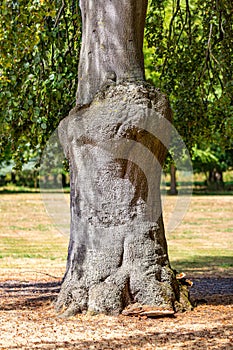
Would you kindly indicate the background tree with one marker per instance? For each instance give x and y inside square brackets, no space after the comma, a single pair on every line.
[212,161]
[192,47]
[192,43]
[38,72]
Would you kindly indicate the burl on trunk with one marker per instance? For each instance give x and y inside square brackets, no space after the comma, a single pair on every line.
[116,142]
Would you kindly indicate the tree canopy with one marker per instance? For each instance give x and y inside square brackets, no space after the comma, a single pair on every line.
[38,72]
[192,46]
[188,54]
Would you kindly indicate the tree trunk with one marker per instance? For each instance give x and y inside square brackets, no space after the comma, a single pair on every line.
[63,180]
[215,179]
[13,177]
[117,252]
[112,40]
[173,189]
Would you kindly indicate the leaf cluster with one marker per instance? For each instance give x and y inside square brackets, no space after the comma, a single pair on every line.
[40,43]
[192,44]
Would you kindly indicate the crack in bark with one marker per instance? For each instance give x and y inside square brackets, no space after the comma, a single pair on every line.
[120,263]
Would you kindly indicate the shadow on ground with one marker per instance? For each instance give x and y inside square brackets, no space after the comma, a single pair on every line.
[212,290]
[17,295]
[152,340]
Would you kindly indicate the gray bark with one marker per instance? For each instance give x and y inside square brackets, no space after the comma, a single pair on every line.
[112,40]
[118,252]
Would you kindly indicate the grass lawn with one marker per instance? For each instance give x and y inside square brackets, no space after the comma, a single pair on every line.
[29,241]
[204,239]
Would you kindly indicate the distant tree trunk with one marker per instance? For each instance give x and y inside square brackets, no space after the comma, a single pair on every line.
[173,188]
[35,179]
[13,177]
[117,252]
[63,180]
[215,180]
[215,175]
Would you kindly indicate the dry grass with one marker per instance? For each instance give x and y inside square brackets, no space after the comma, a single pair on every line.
[31,247]
[204,240]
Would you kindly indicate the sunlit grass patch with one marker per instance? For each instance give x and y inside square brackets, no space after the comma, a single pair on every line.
[203,240]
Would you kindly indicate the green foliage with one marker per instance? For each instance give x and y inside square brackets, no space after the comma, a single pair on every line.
[208,158]
[188,54]
[205,156]
[204,160]
[192,42]
[40,43]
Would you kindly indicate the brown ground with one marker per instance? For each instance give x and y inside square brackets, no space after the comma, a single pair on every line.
[27,317]
[28,321]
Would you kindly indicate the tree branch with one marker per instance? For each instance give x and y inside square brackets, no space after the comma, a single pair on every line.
[59,14]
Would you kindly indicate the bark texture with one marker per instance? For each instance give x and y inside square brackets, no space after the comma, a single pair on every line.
[118,251]
[112,40]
